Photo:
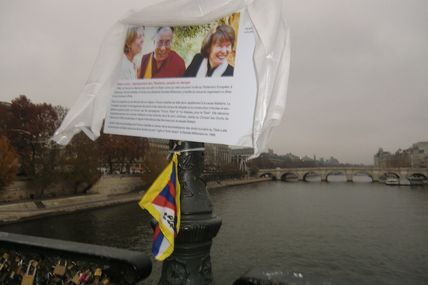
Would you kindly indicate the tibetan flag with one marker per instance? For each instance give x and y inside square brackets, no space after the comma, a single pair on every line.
[162,200]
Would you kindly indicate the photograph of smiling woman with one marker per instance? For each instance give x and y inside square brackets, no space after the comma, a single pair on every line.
[212,61]
[133,46]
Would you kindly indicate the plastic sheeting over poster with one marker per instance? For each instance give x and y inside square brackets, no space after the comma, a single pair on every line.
[271,63]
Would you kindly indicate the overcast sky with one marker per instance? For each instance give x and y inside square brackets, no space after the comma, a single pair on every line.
[359,73]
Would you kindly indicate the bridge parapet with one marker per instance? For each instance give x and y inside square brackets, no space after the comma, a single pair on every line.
[50,261]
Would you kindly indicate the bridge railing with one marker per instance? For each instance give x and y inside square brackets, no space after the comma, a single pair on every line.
[35,260]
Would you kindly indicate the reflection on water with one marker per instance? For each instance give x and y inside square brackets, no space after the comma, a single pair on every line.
[312,177]
[336,178]
[361,179]
[339,177]
[346,233]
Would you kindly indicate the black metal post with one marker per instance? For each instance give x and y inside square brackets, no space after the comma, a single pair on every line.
[190,264]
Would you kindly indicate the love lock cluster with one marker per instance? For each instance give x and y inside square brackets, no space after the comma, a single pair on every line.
[18,269]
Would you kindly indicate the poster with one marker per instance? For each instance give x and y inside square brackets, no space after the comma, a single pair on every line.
[193,83]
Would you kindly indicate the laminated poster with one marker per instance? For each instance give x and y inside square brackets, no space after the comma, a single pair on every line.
[194,83]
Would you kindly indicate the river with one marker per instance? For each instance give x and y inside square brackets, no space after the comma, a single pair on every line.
[342,233]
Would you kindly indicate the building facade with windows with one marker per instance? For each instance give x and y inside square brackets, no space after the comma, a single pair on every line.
[217,155]
[415,157]
[419,155]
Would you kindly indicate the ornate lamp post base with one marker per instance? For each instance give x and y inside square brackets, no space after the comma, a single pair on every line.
[190,264]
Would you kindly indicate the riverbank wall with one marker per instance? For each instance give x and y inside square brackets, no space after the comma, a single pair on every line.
[22,189]
[234,182]
[114,193]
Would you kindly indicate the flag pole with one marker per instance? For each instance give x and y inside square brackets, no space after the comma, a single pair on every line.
[190,263]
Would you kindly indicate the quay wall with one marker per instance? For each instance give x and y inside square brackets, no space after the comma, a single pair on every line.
[112,191]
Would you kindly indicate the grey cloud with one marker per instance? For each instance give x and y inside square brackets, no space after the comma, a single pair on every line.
[358,78]
[358,74]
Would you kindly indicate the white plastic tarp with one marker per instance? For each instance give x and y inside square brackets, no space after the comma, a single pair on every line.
[271,61]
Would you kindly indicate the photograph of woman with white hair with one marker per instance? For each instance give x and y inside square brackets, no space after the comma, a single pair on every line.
[212,61]
[133,46]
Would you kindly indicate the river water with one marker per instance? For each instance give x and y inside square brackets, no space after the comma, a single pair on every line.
[341,233]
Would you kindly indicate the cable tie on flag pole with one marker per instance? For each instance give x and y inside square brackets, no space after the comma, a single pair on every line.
[175,151]
[169,155]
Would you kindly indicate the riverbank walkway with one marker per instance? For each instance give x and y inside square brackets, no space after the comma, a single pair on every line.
[21,211]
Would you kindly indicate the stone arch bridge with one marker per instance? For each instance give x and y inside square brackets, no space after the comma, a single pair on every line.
[374,173]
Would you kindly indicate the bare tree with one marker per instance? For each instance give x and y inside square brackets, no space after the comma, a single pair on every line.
[8,162]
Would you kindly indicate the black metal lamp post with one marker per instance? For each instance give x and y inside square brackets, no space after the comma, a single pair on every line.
[190,264]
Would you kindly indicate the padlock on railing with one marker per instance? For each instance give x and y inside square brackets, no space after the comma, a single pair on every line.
[97,276]
[60,268]
[98,272]
[85,276]
[29,276]
[4,260]
[76,278]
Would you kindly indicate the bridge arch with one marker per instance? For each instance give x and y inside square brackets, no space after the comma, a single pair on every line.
[289,176]
[363,174]
[391,174]
[336,173]
[418,174]
[417,178]
[267,174]
[311,173]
